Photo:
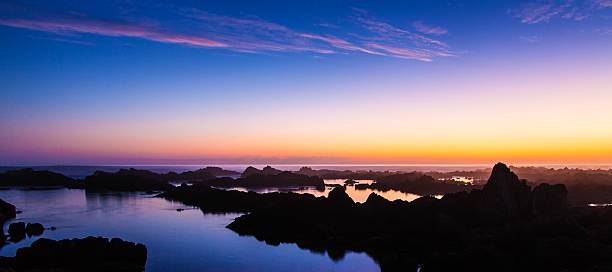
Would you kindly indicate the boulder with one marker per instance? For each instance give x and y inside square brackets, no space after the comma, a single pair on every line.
[34,229]
[88,254]
[17,231]
[549,199]
[505,196]
[7,211]
[339,197]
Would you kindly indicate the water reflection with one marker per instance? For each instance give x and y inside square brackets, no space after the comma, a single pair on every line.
[357,195]
[189,240]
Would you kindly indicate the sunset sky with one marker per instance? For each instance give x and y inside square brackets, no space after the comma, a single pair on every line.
[196,82]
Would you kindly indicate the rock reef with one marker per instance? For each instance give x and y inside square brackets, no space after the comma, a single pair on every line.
[28,177]
[7,211]
[479,230]
[88,254]
[126,180]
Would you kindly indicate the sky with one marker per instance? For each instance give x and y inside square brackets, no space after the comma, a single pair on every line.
[328,82]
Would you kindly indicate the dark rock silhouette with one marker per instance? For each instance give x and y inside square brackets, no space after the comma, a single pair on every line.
[283,179]
[585,186]
[88,254]
[220,172]
[17,231]
[34,229]
[503,227]
[268,170]
[30,177]
[343,174]
[189,176]
[549,199]
[7,211]
[505,196]
[339,197]
[417,183]
[362,186]
[126,180]
[351,182]
[219,200]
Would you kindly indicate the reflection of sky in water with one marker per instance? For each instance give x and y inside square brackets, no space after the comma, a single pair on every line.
[356,195]
[177,241]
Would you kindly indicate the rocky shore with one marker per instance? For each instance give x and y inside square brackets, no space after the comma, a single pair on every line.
[88,254]
[505,226]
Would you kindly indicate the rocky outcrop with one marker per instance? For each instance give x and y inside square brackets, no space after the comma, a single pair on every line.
[350,182]
[549,199]
[505,196]
[417,183]
[29,177]
[339,197]
[268,170]
[280,180]
[7,211]
[219,172]
[126,180]
[88,254]
[34,229]
[17,231]
[490,225]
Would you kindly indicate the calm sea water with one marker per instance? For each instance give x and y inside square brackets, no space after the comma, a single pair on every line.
[177,241]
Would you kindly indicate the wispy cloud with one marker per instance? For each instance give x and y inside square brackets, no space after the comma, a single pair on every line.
[397,41]
[426,29]
[114,29]
[603,3]
[247,34]
[543,12]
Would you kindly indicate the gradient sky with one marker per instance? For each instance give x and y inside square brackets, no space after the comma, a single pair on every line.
[165,82]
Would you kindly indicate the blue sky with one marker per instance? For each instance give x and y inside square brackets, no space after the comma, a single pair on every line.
[107,82]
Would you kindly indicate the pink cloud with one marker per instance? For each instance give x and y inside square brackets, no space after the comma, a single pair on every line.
[426,29]
[249,34]
[110,29]
[540,12]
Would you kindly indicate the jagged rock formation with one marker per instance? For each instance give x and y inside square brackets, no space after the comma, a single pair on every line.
[7,211]
[88,254]
[505,195]
[478,231]
[268,171]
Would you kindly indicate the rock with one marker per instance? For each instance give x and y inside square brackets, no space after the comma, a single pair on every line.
[88,254]
[350,182]
[34,229]
[417,183]
[29,177]
[268,170]
[338,196]
[505,196]
[362,186]
[375,200]
[549,199]
[503,225]
[7,211]
[126,180]
[17,231]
